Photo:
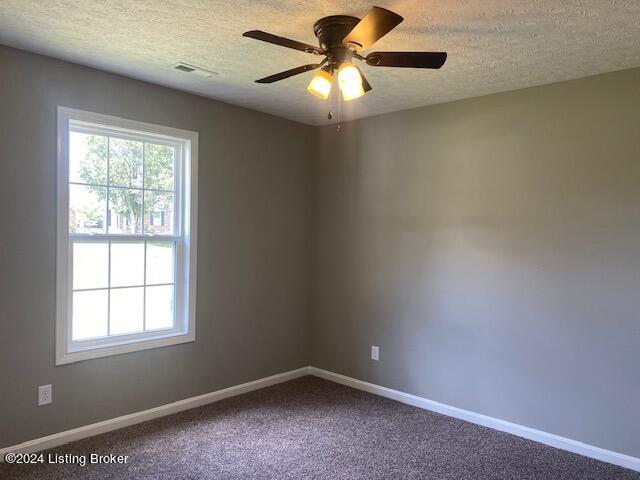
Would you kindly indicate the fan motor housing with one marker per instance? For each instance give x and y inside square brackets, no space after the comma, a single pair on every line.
[330,31]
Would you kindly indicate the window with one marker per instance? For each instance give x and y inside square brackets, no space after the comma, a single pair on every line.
[157,218]
[126,248]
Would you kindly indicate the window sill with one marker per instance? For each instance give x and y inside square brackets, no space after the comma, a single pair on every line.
[108,350]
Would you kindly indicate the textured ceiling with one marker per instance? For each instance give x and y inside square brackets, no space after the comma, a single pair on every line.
[493,45]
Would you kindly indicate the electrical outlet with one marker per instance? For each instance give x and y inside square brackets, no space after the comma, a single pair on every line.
[45,395]
[375,352]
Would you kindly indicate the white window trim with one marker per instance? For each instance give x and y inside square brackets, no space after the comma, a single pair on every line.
[66,351]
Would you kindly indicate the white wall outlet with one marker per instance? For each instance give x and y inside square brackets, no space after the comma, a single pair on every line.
[45,395]
[375,352]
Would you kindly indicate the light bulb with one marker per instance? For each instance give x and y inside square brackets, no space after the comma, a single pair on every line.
[320,84]
[350,81]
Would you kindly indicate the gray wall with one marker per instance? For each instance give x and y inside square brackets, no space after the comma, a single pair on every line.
[491,248]
[253,250]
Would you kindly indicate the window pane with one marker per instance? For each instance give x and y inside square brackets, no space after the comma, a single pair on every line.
[126,310]
[159,309]
[125,163]
[158,166]
[89,314]
[87,158]
[87,209]
[127,264]
[90,265]
[158,203]
[159,262]
[125,210]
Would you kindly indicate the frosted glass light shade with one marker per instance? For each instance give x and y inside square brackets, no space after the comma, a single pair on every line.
[350,82]
[320,84]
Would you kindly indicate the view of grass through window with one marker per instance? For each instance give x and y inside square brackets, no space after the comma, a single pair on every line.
[121,188]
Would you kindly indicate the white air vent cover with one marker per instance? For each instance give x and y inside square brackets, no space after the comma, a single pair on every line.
[186,68]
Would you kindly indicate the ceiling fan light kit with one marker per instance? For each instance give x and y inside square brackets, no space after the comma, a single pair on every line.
[341,38]
[320,84]
[350,81]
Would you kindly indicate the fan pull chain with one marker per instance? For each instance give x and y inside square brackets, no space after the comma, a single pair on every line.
[336,92]
[339,111]
[331,95]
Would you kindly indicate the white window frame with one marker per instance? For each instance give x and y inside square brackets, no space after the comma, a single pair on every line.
[185,235]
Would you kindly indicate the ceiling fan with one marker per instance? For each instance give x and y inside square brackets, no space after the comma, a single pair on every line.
[341,38]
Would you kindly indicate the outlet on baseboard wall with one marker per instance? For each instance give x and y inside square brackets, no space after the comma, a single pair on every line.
[45,395]
[375,352]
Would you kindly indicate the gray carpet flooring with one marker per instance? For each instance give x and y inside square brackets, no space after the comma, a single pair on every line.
[313,429]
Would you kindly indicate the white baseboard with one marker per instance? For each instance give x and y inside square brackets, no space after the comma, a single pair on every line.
[550,439]
[68,436]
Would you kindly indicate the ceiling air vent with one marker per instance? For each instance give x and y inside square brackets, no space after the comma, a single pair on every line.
[192,69]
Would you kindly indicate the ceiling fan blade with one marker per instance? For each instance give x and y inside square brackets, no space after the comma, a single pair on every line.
[282,41]
[289,73]
[375,25]
[406,59]
[365,84]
